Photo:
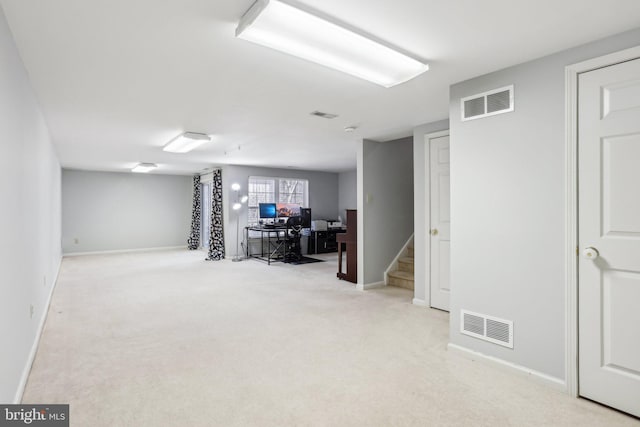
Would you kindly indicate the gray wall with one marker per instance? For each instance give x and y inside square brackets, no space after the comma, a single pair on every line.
[421,206]
[387,212]
[347,193]
[29,218]
[323,195]
[508,208]
[116,211]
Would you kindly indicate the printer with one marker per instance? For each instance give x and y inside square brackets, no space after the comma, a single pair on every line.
[319,225]
[332,224]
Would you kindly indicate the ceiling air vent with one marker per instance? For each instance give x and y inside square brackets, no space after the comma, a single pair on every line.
[487,104]
[323,115]
[488,328]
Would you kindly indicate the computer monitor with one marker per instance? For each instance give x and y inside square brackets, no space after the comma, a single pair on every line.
[286,210]
[268,210]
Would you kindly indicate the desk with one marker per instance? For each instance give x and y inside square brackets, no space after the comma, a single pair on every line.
[275,243]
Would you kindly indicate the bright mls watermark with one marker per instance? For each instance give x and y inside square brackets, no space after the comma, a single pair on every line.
[34,415]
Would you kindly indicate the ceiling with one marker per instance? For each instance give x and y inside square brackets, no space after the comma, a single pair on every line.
[118,79]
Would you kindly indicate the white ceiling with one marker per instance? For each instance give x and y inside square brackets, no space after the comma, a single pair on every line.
[117,79]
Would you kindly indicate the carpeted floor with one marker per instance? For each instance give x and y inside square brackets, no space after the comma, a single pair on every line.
[167,339]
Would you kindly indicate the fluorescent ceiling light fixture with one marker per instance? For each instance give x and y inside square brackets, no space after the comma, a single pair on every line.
[144,167]
[186,142]
[280,26]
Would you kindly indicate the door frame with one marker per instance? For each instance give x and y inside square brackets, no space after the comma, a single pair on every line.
[571,204]
[427,210]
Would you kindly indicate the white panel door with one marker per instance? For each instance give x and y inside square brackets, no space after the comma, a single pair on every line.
[440,196]
[609,235]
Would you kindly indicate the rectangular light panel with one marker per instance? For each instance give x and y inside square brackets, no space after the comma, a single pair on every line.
[186,142]
[144,167]
[283,27]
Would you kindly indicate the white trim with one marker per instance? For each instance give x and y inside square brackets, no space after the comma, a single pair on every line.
[419,302]
[571,197]
[394,264]
[427,213]
[206,176]
[124,251]
[367,286]
[536,376]
[36,342]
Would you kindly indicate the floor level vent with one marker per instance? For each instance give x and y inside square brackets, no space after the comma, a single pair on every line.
[486,104]
[488,328]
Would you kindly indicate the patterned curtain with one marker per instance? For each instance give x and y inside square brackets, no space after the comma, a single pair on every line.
[193,241]
[216,242]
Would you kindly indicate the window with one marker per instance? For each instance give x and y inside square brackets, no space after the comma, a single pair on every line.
[275,190]
[293,191]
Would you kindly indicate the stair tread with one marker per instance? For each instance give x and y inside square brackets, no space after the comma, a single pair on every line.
[405,275]
[408,259]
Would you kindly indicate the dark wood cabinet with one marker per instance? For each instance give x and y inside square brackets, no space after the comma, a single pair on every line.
[322,242]
[348,242]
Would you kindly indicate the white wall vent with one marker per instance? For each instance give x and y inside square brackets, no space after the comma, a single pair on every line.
[487,104]
[488,328]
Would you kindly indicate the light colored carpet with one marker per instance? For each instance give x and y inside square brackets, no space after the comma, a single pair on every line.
[168,339]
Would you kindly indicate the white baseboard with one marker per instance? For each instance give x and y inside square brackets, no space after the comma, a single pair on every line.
[367,286]
[420,302]
[553,382]
[36,342]
[124,251]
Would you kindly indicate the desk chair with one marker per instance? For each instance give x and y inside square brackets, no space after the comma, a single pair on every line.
[293,250]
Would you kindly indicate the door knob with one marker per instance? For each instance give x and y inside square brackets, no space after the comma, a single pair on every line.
[590,253]
[434,232]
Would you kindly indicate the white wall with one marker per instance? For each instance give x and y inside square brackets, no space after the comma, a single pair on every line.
[29,219]
[421,206]
[323,195]
[508,209]
[347,193]
[108,211]
[387,205]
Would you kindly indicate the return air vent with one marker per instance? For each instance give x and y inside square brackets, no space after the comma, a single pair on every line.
[323,115]
[488,328]
[487,104]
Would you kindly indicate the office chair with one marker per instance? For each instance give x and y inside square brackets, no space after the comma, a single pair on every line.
[293,250]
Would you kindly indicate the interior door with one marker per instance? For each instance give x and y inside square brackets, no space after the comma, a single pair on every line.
[440,196]
[609,235]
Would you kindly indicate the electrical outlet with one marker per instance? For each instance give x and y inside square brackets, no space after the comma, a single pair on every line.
[31,311]
[76,241]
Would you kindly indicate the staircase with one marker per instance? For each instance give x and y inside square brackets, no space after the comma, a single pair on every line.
[402,275]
